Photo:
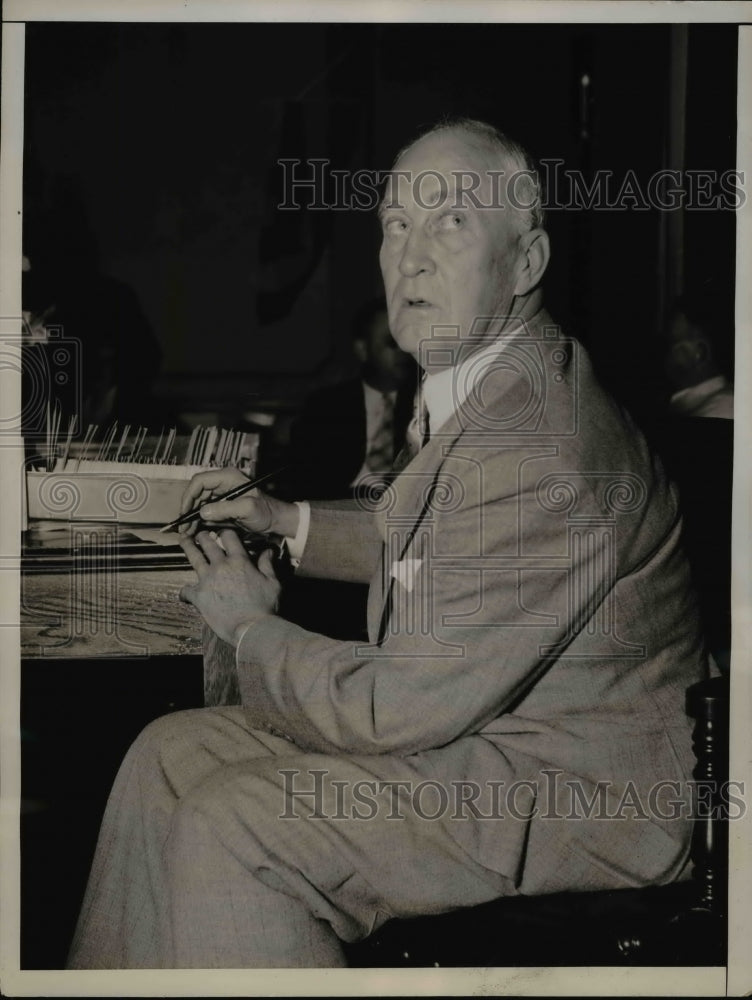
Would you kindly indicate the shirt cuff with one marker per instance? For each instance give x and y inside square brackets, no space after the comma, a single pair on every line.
[296,546]
[240,634]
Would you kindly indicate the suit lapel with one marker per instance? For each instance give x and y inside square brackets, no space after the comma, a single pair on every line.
[507,398]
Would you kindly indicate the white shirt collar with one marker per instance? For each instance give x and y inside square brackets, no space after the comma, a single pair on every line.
[445,391]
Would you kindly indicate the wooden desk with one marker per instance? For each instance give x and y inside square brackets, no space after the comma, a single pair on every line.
[107,647]
[134,614]
[100,603]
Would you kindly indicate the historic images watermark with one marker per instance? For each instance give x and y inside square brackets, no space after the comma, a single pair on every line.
[555,582]
[50,367]
[85,554]
[312,794]
[313,184]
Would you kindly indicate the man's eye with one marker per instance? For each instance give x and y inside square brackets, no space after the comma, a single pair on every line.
[395,226]
[450,222]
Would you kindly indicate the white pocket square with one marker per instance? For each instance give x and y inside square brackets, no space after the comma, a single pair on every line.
[405,571]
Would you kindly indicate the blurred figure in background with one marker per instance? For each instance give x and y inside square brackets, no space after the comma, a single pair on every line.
[345,432]
[697,444]
[701,389]
[64,290]
[355,428]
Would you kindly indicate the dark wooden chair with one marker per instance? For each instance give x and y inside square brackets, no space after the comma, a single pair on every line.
[679,924]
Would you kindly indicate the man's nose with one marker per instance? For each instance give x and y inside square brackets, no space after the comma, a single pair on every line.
[416,256]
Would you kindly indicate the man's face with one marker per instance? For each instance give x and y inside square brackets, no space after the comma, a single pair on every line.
[445,261]
[689,353]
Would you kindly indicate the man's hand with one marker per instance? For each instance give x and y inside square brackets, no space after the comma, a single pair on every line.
[230,591]
[256,511]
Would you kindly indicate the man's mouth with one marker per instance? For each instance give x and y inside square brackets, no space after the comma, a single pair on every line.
[417,303]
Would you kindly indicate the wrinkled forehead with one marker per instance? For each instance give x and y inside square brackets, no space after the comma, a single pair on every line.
[446,171]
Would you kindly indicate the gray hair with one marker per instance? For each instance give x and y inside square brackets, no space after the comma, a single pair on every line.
[511,154]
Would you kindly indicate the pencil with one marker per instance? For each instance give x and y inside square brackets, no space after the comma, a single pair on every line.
[237,491]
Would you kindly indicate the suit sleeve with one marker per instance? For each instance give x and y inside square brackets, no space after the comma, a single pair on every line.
[343,543]
[471,639]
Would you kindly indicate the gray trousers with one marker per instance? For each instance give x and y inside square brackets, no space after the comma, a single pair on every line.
[226,847]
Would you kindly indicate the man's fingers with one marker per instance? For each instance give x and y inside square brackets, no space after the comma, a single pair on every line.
[231,543]
[203,484]
[188,529]
[188,593]
[265,565]
[194,555]
[210,546]
[229,510]
[191,527]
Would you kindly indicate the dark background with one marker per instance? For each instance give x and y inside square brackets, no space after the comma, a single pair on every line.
[161,140]
[155,146]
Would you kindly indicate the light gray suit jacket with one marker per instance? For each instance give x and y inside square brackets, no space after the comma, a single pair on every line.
[532,628]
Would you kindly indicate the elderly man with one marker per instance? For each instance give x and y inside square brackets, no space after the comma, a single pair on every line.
[515,724]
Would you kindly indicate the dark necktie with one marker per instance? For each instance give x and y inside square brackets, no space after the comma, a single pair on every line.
[416,437]
[417,433]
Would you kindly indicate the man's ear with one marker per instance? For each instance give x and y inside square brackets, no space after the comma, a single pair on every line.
[535,251]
